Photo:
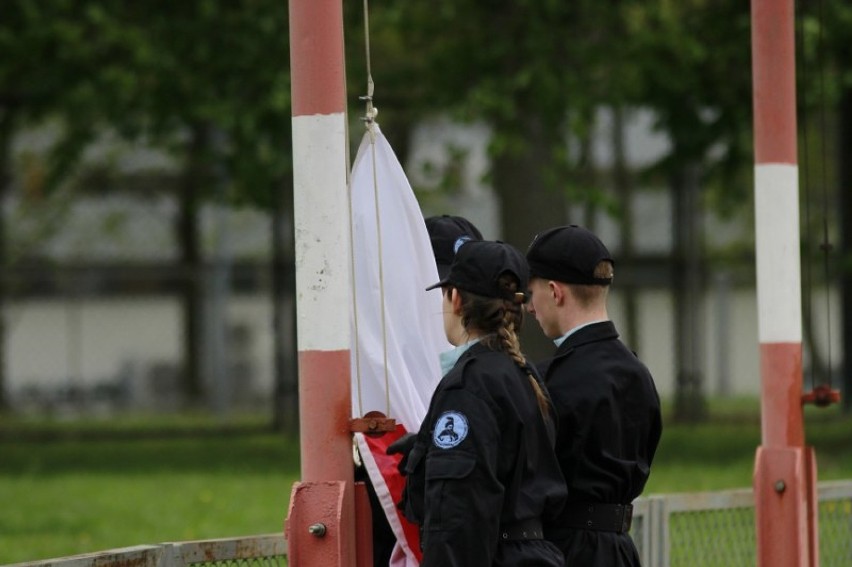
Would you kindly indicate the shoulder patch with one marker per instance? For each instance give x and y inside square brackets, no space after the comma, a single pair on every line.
[450,429]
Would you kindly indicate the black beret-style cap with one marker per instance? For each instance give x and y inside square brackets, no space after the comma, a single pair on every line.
[568,254]
[447,233]
[479,264]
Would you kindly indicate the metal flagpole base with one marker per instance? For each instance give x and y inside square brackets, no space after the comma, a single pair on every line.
[313,526]
[786,507]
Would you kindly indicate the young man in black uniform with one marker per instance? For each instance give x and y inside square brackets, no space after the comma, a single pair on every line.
[605,399]
[482,478]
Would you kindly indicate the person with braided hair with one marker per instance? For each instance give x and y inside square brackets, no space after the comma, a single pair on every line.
[482,477]
[446,234]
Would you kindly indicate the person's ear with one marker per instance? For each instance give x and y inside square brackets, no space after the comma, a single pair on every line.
[557,292]
[455,301]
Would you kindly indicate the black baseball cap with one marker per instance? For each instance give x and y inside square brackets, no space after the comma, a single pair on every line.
[479,264]
[568,254]
[447,233]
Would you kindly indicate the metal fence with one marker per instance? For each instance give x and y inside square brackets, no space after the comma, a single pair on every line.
[702,529]
[253,551]
[716,529]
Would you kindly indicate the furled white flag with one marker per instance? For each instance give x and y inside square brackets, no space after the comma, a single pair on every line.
[397,326]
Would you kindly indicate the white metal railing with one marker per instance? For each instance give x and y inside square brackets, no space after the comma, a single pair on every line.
[263,550]
[697,529]
[716,529]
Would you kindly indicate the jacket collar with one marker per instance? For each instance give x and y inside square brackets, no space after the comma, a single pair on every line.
[601,331]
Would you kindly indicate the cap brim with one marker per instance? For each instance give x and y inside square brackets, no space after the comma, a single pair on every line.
[441,283]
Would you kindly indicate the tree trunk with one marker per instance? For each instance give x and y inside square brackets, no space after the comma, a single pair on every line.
[192,289]
[623,183]
[687,282]
[527,206]
[285,414]
[845,193]
[6,131]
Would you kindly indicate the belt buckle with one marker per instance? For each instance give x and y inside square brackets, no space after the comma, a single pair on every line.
[626,517]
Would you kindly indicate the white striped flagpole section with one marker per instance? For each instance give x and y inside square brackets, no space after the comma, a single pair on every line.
[779,298]
[785,470]
[323,272]
[321,519]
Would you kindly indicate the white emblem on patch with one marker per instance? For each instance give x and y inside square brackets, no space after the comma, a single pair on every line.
[458,243]
[450,430]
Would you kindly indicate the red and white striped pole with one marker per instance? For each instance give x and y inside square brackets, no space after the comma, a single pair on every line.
[785,469]
[321,518]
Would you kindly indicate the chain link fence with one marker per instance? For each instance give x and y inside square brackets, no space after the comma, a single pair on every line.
[716,529]
[253,551]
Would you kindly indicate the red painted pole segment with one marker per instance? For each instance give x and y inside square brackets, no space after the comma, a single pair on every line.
[317,68]
[324,419]
[785,469]
[774,81]
[321,519]
[781,394]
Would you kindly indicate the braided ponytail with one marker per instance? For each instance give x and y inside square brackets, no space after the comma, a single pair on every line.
[501,319]
[511,344]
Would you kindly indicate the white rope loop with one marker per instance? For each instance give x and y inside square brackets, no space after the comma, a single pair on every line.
[370,115]
[369,122]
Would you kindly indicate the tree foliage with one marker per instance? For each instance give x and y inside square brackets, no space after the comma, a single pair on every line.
[534,71]
[555,62]
[156,68]
[153,71]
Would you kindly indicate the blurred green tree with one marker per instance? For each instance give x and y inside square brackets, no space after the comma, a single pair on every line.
[538,72]
[208,81]
[205,80]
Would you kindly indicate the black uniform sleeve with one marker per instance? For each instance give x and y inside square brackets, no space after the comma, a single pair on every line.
[463,498]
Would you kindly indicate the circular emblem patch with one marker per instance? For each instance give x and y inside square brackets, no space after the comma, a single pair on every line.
[450,430]
[458,243]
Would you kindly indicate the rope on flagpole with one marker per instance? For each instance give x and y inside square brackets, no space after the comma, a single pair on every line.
[381,279]
[356,348]
[370,115]
[369,122]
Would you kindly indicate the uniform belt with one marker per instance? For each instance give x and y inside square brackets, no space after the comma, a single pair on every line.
[525,530]
[599,517]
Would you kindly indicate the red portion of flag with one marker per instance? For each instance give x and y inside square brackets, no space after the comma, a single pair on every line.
[388,466]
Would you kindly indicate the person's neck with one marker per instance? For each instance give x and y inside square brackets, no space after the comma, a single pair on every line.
[575,319]
[464,336]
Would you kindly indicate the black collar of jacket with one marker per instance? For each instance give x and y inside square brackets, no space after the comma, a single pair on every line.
[602,331]
[466,357]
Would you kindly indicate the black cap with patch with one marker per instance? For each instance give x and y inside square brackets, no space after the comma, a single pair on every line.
[447,233]
[568,254]
[478,266]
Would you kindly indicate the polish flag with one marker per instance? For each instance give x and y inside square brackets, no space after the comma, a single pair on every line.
[397,326]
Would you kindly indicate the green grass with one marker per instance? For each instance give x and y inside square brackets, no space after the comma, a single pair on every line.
[80,491]
[719,454]
[68,488]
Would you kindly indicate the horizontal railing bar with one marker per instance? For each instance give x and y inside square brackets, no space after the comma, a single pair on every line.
[229,549]
[136,556]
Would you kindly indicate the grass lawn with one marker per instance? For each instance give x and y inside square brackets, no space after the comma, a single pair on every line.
[68,488]
[80,492]
[719,454]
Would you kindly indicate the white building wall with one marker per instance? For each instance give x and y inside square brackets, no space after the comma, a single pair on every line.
[59,343]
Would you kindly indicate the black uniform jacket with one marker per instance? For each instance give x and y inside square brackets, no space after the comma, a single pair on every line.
[609,426]
[483,459]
